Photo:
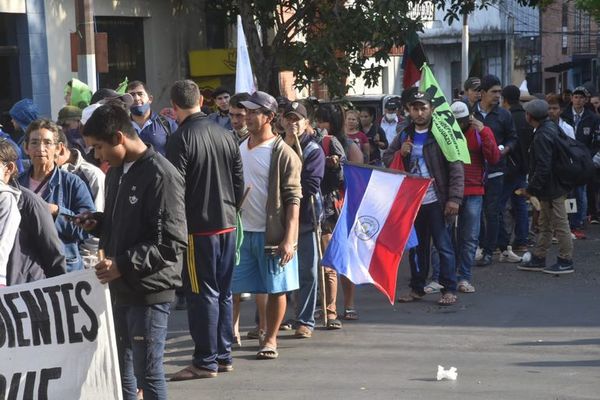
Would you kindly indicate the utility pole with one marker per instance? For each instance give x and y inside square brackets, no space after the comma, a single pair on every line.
[465,47]
[86,57]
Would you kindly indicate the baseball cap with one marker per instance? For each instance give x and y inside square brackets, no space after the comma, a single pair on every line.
[87,112]
[581,90]
[297,109]
[103,96]
[393,103]
[419,97]
[472,83]
[68,112]
[260,99]
[489,81]
[537,108]
[460,110]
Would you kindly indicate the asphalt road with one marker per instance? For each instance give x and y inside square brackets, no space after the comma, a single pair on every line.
[522,335]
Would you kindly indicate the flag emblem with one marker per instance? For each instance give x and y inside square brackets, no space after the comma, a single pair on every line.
[366,227]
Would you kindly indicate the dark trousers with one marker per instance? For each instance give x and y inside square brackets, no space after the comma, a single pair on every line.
[430,224]
[491,214]
[207,283]
[141,333]
[519,212]
[592,203]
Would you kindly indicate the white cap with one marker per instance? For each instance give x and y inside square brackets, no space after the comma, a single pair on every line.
[460,110]
[87,112]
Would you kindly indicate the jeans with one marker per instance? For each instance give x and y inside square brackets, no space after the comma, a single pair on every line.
[141,333]
[491,213]
[577,219]
[431,224]
[435,255]
[469,223]
[209,298]
[520,213]
[306,300]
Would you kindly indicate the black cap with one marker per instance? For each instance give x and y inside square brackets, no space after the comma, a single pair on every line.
[489,81]
[103,96]
[472,83]
[419,97]
[219,91]
[392,103]
[297,109]
[260,99]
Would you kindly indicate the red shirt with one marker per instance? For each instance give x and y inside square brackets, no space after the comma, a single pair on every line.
[482,147]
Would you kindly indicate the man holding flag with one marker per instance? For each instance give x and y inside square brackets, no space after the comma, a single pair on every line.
[418,151]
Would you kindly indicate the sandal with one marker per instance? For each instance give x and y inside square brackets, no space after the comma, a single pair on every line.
[333,324]
[447,299]
[410,297]
[350,314]
[433,287]
[267,353]
[465,287]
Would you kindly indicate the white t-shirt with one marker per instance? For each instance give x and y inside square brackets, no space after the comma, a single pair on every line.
[256,162]
[389,128]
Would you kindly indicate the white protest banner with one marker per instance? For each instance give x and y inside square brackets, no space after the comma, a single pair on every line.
[57,340]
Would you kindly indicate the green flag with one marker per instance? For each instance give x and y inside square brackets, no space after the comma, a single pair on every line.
[122,88]
[444,127]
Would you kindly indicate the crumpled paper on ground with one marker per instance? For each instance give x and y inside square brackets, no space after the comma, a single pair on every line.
[450,374]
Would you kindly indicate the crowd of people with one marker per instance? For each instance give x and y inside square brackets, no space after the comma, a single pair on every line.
[200,209]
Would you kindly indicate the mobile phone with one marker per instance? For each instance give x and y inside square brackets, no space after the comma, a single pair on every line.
[70,218]
[271,250]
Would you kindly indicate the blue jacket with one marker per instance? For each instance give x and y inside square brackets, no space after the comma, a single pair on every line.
[224,121]
[72,196]
[155,133]
[313,169]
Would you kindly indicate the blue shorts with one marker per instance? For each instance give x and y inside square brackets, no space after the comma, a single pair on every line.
[259,272]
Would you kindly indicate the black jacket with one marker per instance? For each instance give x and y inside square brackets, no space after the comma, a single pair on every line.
[37,252]
[208,157]
[542,182]
[518,159]
[588,130]
[500,121]
[143,229]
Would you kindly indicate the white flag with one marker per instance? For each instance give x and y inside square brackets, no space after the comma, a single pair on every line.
[244,80]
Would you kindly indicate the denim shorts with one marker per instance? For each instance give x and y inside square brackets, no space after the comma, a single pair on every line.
[259,272]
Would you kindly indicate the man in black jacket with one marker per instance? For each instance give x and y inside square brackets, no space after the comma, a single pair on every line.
[544,186]
[489,112]
[587,130]
[143,232]
[208,158]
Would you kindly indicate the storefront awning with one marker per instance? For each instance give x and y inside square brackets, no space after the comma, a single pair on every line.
[562,67]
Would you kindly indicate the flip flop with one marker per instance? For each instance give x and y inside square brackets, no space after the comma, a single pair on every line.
[267,353]
[333,324]
[447,299]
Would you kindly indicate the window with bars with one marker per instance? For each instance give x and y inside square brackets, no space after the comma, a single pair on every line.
[582,39]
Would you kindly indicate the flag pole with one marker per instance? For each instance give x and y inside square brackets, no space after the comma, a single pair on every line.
[317,233]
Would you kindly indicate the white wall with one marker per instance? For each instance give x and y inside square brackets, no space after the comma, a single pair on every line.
[168,35]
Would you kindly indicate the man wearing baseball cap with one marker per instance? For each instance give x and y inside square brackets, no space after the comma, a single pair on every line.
[482,149]
[587,130]
[551,194]
[390,119]
[295,123]
[472,88]
[270,216]
[421,155]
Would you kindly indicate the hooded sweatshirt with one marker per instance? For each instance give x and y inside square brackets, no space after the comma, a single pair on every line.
[24,112]
[81,94]
[10,217]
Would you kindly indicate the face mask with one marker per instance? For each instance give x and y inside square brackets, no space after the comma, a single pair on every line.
[390,117]
[140,110]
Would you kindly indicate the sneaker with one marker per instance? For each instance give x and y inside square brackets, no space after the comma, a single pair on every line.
[579,234]
[465,287]
[508,256]
[573,237]
[485,260]
[432,287]
[562,266]
[478,254]
[535,264]
[594,221]
[554,240]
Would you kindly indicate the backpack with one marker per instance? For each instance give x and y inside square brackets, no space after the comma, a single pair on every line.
[572,164]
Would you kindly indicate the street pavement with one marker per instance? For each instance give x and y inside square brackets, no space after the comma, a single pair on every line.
[522,335]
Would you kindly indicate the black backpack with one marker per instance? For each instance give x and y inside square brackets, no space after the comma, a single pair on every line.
[572,164]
